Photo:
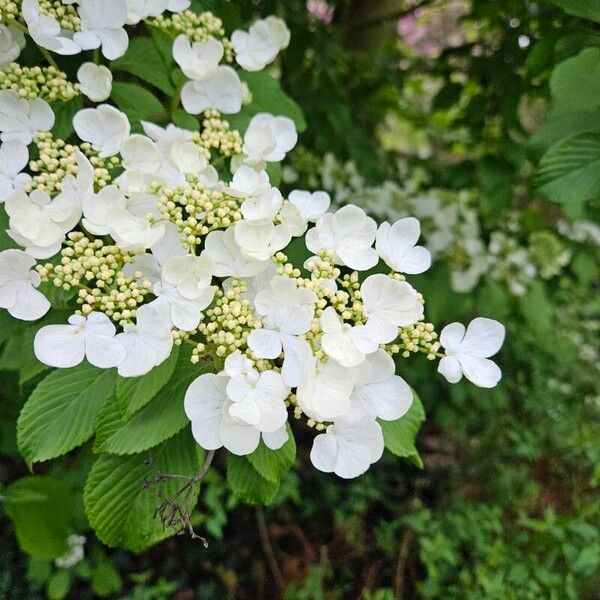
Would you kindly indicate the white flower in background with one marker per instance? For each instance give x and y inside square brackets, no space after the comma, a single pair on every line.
[74,554]
[65,346]
[207,407]
[40,223]
[338,340]
[148,343]
[190,274]
[102,24]
[105,127]
[259,46]
[95,81]
[261,240]
[311,205]
[18,283]
[12,42]
[185,313]
[14,157]
[378,391]
[388,304]
[138,10]
[268,138]
[45,31]
[227,258]
[468,352]
[396,245]
[349,234]
[22,119]
[258,398]
[100,209]
[325,392]
[348,448]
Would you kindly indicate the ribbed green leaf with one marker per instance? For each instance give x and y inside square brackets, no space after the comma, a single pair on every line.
[586,9]
[61,413]
[247,483]
[273,464]
[137,102]
[400,435]
[118,505]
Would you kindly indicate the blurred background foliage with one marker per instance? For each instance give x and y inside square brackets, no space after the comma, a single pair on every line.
[482,119]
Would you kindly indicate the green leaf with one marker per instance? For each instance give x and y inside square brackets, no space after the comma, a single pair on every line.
[41,510]
[163,43]
[120,509]
[135,392]
[570,170]
[586,9]
[64,113]
[61,413]
[59,585]
[162,417]
[144,60]
[247,483]
[273,464]
[400,435]
[267,96]
[137,102]
[105,579]
[185,120]
[110,419]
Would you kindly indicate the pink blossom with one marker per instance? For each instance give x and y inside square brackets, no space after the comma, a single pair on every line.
[320,10]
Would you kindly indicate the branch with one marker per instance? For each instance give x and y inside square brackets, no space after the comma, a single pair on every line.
[268,548]
[407,542]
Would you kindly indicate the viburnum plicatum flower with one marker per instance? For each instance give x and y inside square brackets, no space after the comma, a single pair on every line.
[138,10]
[396,245]
[349,233]
[46,31]
[268,138]
[348,447]
[378,391]
[65,346]
[95,81]
[190,274]
[468,351]
[12,42]
[388,304]
[14,157]
[105,127]
[260,240]
[256,48]
[311,205]
[338,339]
[22,119]
[99,210]
[18,283]
[102,24]
[227,258]
[148,343]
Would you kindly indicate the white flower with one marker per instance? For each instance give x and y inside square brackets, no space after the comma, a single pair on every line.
[388,304]
[325,392]
[22,119]
[148,343]
[198,59]
[65,346]
[12,42]
[292,218]
[95,81]
[468,352]
[178,5]
[262,202]
[259,46]
[258,398]
[311,205]
[396,245]
[100,209]
[39,223]
[18,281]
[349,234]
[227,257]
[138,10]
[105,127]
[248,182]
[185,313]
[261,240]
[45,31]
[190,274]
[141,154]
[221,90]
[348,448]
[14,157]
[378,391]
[268,138]
[338,340]
[102,26]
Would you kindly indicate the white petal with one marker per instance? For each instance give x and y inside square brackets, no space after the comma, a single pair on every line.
[484,337]
[452,336]
[203,406]
[450,368]
[265,343]
[482,372]
[275,439]
[61,346]
[324,452]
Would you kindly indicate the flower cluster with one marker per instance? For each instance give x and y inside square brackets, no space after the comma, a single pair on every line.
[159,245]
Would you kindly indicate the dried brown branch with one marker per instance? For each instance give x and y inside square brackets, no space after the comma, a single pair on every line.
[268,549]
[399,579]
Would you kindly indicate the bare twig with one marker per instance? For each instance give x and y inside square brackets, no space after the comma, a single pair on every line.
[268,548]
[399,579]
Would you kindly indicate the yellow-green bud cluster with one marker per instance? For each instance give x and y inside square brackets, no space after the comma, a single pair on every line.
[57,159]
[48,83]
[65,14]
[196,210]
[196,27]
[95,270]
[228,322]
[9,10]
[216,135]
[420,337]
